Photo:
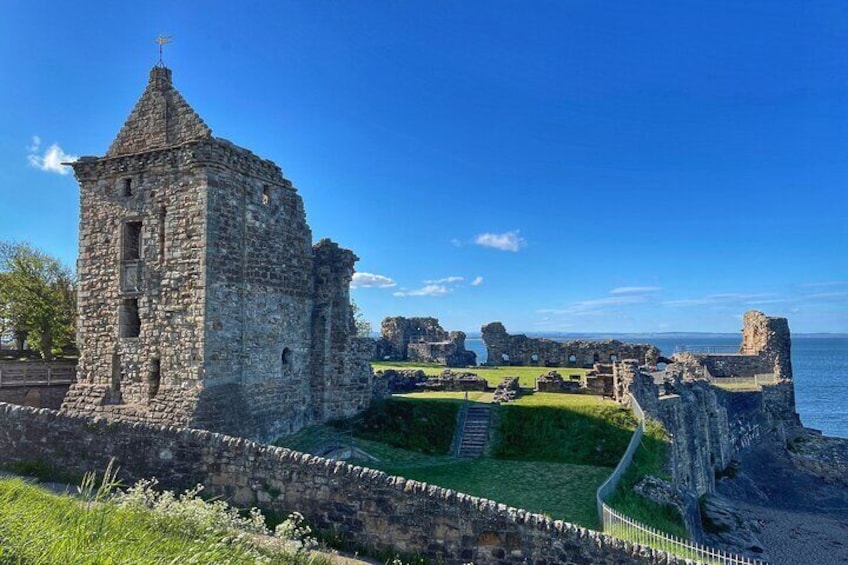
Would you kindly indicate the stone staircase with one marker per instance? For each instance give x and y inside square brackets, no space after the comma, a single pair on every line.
[475,431]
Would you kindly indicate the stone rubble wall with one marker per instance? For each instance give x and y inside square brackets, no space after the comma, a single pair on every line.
[726,365]
[506,349]
[398,332]
[450,353]
[362,506]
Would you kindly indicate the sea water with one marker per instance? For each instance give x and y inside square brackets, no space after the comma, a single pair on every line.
[819,365]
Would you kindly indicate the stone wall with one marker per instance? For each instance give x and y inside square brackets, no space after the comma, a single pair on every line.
[709,425]
[397,332]
[506,349]
[766,348]
[359,505]
[450,353]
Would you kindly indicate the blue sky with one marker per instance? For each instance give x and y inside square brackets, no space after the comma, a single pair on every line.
[575,166]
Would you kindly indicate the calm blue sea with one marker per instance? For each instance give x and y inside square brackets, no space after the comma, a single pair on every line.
[820,366]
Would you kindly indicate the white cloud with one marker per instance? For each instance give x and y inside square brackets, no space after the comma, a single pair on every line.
[478,280]
[52,159]
[507,241]
[370,280]
[635,289]
[446,280]
[456,243]
[427,290]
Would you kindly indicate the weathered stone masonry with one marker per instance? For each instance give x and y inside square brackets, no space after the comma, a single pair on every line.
[202,301]
[506,349]
[710,425]
[363,506]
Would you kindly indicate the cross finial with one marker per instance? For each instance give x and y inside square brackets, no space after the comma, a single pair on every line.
[162,40]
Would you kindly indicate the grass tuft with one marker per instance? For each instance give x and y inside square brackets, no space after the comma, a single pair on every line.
[141,526]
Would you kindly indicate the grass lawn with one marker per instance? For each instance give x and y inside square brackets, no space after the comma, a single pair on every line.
[550,451]
[494,375]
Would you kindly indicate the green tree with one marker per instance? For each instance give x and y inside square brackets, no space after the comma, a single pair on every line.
[363,326]
[37,298]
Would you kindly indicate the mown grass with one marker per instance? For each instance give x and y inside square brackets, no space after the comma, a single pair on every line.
[420,425]
[37,527]
[650,459]
[564,428]
[493,375]
[552,450]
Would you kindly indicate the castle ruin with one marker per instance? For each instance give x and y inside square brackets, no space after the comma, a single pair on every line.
[505,349]
[422,340]
[202,300]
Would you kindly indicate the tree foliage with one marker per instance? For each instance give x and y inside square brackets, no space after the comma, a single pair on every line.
[363,326]
[37,298]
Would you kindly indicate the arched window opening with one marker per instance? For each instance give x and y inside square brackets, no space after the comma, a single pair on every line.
[285,359]
[613,358]
[572,358]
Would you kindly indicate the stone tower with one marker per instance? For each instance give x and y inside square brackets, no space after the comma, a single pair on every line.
[202,301]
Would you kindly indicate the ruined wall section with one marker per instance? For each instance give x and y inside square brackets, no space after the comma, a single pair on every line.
[361,506]
[506,349]
[450,353]
[707,425]
[768,338]
[141,241]
[341,374]
[259,296]
[398,332]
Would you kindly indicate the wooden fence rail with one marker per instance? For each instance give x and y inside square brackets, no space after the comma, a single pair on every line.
[37,374]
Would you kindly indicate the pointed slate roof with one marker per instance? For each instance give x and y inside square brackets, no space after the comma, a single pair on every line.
[161,118]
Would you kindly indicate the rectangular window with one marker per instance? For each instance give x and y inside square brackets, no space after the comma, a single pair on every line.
[132,242]
[126,187]
[129,321]
[266,194]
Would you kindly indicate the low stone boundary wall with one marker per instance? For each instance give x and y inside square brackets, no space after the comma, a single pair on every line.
[365,507]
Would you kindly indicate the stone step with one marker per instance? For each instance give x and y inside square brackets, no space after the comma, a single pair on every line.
[475,432]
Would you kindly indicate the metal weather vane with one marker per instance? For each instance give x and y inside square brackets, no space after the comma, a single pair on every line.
[162,40]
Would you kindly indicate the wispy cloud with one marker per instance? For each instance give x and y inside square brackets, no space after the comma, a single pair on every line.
[445,280]
[821,295]
[507,241]
[596,306]
[370,280]
[824,284]
[721,298]
[52,158]
[427,290]
[635,290]
[478,280]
